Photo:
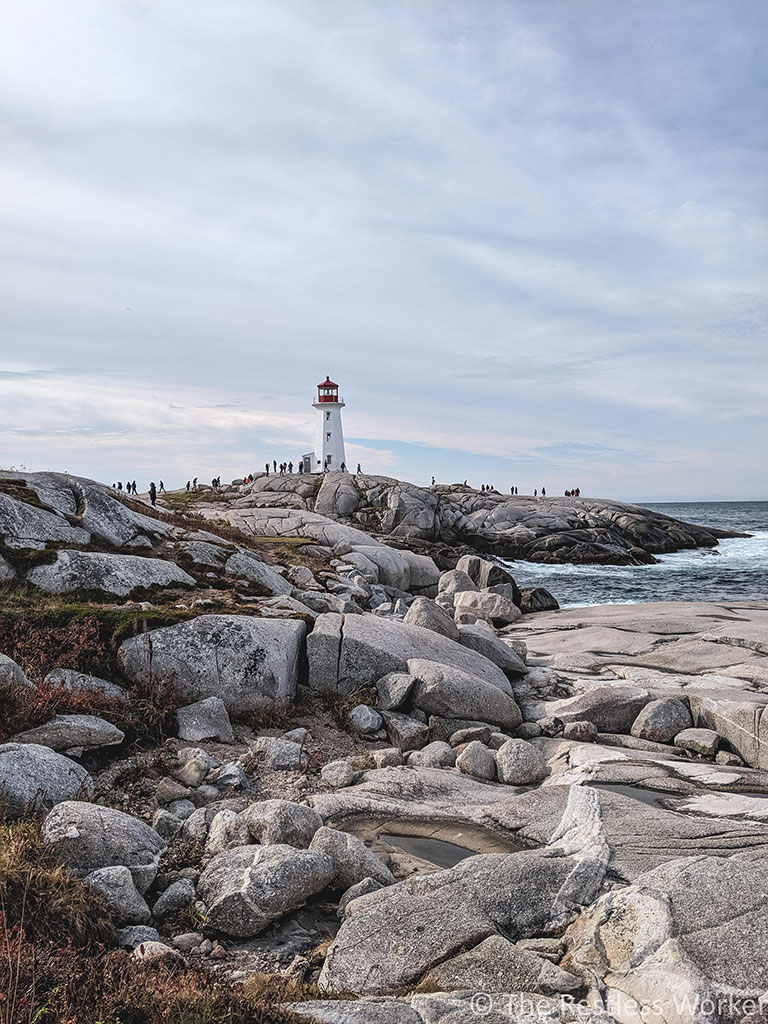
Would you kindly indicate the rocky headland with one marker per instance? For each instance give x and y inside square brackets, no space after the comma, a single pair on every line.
[254,753]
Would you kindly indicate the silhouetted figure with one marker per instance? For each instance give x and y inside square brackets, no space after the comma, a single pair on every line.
[301,468]
[359,471]
[433,481]
[188,485]
[543,492]
[482,488]
[290,467]
[153,493]
[119,485]
[162,487]
[266,468]
[194,484]
[535,492]
[343,467]
[274,465]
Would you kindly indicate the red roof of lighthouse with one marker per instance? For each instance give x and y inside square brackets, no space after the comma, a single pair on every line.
[327,383]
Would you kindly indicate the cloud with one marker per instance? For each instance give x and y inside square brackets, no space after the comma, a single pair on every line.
[504,229]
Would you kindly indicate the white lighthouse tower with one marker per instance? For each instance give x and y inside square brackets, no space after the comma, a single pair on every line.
[329,437]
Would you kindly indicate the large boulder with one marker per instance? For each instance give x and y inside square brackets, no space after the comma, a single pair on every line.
[485,573]
[346,653]
[423,573]
[246,888]
[661,720]
[72,681]
[124,900]
[206,719]
[480,637]
[12,675]
[351,857]
[72,732]
[87,836]
[455,582]
[248,566]
[451,693]
[429,615]
[685,936]
[519,763]
[282,821]
[34,777]
[25,526]
[252,664]
[610,708]
[482,604]
[393,568]
[110,574]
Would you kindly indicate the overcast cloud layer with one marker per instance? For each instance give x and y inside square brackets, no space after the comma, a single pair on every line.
[527,238]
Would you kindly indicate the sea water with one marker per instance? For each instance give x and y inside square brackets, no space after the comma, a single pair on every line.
[736,570]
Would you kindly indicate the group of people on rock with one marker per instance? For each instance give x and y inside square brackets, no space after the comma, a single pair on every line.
[193,485]
[487,487]
[285,467]
[574,493]
[130,487]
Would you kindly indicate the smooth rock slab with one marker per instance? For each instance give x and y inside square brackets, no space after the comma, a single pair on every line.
[246,888]
[498,965]
[87,836]
[25,526]
[65,732]
[34,777]
[110,574]
[251,664]
[248,566]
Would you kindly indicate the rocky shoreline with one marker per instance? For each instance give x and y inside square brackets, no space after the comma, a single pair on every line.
[272,747]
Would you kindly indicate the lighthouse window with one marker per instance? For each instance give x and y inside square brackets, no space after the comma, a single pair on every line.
[327,415]
[327,437]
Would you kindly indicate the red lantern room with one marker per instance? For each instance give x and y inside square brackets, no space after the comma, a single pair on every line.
[328,391]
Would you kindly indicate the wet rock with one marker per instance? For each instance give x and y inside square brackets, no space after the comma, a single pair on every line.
[282,821]
[86,837]
[537,599]
[352,859]
[250,663]
[477,760]
[110,574]
[518,763]
[248,887]
[33,777]
[206,719]
[125,902]
[661,720]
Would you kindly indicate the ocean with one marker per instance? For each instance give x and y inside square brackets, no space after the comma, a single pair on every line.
[736,570]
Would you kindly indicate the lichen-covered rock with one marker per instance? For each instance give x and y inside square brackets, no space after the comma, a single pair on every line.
[246,888]
[250,663]
[25,526]
[248,566]
[34,777]
[87,836]
[110,574]
[498,965]
[70,680]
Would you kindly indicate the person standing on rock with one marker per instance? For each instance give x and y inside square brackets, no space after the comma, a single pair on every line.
[343,467]
[433,481]
[543,492]
[153,493]
[162,487]
[188,485]
[359,471]
[290,468]
[535,493]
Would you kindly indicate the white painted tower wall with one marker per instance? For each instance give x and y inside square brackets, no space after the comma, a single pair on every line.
[329,436]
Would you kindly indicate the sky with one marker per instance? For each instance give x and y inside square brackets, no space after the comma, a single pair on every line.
[528,239]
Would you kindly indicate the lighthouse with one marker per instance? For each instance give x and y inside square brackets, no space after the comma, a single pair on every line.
[329,436]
